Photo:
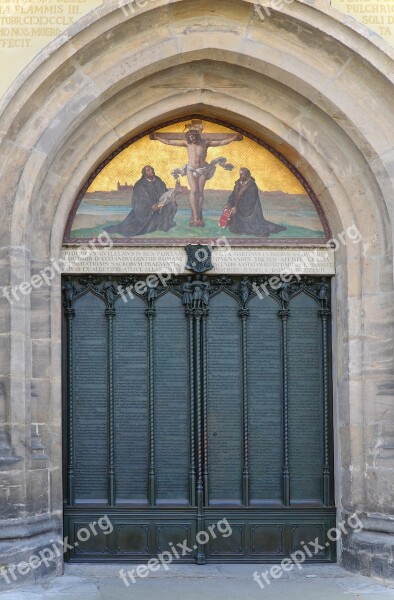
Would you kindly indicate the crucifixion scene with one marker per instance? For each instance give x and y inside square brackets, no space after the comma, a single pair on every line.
[196,180]
[198,171]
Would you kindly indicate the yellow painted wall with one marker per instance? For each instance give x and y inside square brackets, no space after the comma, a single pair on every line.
[27,26]
[375,14]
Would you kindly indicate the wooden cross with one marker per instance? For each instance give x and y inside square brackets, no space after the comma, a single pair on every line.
[194,126]
[213,137]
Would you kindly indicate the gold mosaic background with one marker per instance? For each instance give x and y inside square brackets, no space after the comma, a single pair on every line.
[270,173]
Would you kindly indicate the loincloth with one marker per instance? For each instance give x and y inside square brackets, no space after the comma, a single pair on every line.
[199,171]
[208,170]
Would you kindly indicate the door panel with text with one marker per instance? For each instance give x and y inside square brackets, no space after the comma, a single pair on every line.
[204,399]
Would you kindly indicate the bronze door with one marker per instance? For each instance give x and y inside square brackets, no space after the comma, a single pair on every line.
[192,402]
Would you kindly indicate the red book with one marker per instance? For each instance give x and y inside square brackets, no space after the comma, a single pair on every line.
[225,218]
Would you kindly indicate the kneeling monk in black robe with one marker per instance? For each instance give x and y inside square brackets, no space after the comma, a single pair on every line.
[246,212]
[146,215]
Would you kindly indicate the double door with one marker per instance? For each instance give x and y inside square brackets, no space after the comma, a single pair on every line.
[200,401]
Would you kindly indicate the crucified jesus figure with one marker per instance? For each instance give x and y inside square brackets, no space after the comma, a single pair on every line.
[198,170]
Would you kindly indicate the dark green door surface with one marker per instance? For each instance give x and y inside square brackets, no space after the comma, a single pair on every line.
[200,400]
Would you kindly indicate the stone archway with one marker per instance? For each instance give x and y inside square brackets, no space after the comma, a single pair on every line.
[303,80]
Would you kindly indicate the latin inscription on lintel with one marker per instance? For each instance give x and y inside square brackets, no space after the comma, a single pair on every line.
[231,261]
